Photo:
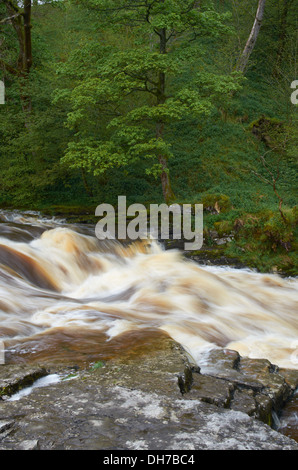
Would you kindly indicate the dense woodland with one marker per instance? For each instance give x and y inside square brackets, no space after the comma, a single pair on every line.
[159,100]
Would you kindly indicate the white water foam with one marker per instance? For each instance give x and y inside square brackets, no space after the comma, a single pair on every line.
[42,382]
[115,289]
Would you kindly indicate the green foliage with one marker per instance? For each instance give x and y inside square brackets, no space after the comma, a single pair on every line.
[224,227]
[270,131]
[216,202]
[279,232]
[133,89]
[108,98]
[264,239]
[97,365]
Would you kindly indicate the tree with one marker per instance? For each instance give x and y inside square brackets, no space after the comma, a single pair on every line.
[132,84]
[252,39]
[20,19]
[32,134]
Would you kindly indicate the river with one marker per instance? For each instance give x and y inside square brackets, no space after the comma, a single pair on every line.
[66,296]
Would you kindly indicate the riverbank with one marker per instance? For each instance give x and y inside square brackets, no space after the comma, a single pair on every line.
[256,241]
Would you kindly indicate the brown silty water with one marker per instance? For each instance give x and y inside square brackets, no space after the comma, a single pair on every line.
[66,296]
[61,289]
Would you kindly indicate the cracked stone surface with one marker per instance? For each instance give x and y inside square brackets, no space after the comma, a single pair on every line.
[135,403]
[254,386]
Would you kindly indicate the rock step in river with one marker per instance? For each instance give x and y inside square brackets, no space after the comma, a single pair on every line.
[149,399]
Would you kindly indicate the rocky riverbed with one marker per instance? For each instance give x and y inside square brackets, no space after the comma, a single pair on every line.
[153,398]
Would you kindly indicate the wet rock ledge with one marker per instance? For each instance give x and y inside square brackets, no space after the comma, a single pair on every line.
[252,386]
[156,400]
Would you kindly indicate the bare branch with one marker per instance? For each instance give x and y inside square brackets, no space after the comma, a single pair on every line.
[10,18]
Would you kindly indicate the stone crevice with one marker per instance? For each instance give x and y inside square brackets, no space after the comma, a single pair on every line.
[253,386]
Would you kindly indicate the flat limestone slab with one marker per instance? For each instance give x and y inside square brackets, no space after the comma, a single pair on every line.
[132,403]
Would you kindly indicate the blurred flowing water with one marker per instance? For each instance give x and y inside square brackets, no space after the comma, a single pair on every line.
[66,296]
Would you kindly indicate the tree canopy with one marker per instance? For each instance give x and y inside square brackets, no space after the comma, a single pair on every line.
[159,100]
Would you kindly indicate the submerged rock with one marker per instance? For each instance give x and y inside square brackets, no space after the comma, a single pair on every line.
[155,400]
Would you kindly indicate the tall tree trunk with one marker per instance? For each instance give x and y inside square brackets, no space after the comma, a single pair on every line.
[85,182]
[165,177]
[250,44]
[27,36]
[20,19]
[161,98]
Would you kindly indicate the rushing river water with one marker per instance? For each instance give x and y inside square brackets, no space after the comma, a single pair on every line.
[65,296]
